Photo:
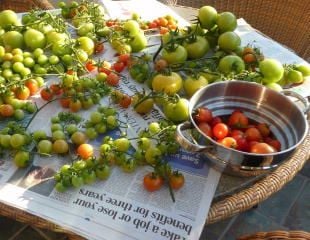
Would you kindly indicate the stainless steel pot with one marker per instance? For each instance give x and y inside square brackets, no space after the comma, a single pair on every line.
[286,119]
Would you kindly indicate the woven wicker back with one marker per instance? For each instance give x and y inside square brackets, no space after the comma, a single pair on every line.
[25,5]
[277,235]
[286,21]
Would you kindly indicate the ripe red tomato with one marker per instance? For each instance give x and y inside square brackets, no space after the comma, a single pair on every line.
[119,66]
[124,58]
[6,110]
[99,47]
[90,66]
[263,128]
[238,120]
[125,101]
[220,130]
[275,144]
[113,79]
[215,121]
[56,88]
[252,134]
[243,145]
[206,129]
[203,115]
[65,102]
[152,182]
[46,94]
[236,134]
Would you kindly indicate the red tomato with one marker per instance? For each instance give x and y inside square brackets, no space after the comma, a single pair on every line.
[46,94]
[252,134]
[99,47]
[119,66]
[238,120]
[203,115]
[6,110]
[152,182]
[125,101]
[220,130]
[90,66]
[206,129]
[113,79]
[262,148]
[56,89]
[152,25]
[243,145]
[275,144]
[124,58]
[65,102]
[215,121]
[263,128]
[236,134]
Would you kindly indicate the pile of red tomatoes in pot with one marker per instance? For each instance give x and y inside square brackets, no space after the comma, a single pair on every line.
[237,131]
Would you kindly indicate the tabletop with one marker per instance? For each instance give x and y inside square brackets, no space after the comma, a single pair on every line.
[233,195]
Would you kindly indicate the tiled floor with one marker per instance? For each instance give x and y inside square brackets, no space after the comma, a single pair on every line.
[288,209]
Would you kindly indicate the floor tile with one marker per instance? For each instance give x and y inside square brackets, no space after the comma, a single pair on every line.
[250,222]
[8,227]
[299,216]
[215,230]
[278,205]
[305,171]
[29,234]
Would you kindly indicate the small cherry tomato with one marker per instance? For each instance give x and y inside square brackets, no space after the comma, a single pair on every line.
[22,93]
[99,47]
[206,129]
[203,115]
[263,128]
[90,66]
[85,151]
[119,66]
[113,79]
[32,85]
[238,120]
[176,180]
[228,142]
[56,88]
[6,110]
[262,148]
[220,130]
[253,134]
[125,101]
[46,94]
[152,182]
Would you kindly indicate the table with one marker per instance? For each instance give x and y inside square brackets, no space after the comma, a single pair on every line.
[229,200]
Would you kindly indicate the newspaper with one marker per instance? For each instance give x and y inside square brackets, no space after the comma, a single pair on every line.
[120,208]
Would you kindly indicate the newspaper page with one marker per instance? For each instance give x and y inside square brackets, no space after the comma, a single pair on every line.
[118,208]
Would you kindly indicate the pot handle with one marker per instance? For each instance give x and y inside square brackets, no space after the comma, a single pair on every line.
[184,142]
[303,100]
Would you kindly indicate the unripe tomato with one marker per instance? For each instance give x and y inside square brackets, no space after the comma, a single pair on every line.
[169,84]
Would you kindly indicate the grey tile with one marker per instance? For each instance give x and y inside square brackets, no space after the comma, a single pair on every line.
[250,222]
[8,227]
[305,171]
[215,230]
[278,205]
[299,216]
[29,234]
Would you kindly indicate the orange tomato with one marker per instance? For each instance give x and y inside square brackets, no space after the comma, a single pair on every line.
[85,151]
[6,110]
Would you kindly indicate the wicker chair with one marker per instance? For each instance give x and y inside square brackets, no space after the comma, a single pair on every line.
[278,235]
[286,21]
[25,5]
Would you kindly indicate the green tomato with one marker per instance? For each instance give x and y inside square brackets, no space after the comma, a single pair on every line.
[132,27]
[271,69]
[274,86]
[13,39]
[89,176]
[17,140]
[77,181]
[294,76]
[198,48]
[8,18]
[34,39]
[121,144]
[207,16]
[153,155]
[86,44]
[5,140]
[169,84]
[58,134]
[229,41]
[177,112]
[138,42]
[129,165]
[85,28]
[21,159]
[39,135]
[103,172]
[231,64]
[45,146]
[61,49]
[19,114]
[226,22]
[192,85]
[178,55]
[304,69]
